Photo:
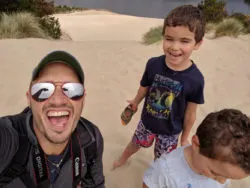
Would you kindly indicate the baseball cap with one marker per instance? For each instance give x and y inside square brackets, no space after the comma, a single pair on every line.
[59,56]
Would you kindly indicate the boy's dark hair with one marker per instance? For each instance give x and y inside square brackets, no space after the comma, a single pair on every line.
[189,16]
[225,136]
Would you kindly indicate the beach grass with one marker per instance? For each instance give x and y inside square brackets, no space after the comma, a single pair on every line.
[152,36]
[20,25]
[229,27]
[210,27]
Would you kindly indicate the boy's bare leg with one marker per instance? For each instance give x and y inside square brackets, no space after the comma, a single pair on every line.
[130,150]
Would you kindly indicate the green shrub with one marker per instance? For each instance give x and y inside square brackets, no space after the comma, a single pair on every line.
[39,7]
[247,2]
[214,11]
[43,7]
[153,35]
[229,27]
[247,29]
[239,16]
[8,5]
[62,9]
[51,26]
[20,25]
[244,19]
[66,9]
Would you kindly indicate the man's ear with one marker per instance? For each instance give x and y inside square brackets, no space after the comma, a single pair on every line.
[28,97]
[198,44]
[85,92]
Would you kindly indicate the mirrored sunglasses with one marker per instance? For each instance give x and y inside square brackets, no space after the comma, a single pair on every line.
[42,91]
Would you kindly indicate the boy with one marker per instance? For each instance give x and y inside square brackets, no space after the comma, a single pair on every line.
[172,85]
[220,151]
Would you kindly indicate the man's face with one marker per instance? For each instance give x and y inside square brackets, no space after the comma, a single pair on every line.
[56,118]
[216,169]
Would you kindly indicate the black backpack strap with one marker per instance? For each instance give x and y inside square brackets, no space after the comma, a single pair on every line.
[90,153]
[17,167]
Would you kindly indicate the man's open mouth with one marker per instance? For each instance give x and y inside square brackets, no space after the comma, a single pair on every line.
[58,118]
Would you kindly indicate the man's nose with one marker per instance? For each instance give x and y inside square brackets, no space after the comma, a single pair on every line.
[58,98]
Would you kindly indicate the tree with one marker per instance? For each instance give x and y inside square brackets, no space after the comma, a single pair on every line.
[247,2]
[214,11]
[8,5]
[38,7]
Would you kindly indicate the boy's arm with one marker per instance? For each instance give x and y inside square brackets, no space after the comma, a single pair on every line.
[141,93]
[196,97]
[189,119]
[143,89]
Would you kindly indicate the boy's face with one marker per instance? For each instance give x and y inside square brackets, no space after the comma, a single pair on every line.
[178,44]
[215,169]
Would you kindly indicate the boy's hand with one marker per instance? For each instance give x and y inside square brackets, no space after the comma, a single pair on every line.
[133,104]
[185,143]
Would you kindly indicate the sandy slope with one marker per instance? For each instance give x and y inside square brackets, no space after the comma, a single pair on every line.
[107,46]
[103,25]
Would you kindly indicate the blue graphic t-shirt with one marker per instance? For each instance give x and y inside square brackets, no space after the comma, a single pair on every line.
[168,94]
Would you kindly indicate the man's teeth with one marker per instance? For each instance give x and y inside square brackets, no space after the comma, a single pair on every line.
[57,114]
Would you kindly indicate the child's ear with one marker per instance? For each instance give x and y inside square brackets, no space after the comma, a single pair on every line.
[195,142]
[198,44]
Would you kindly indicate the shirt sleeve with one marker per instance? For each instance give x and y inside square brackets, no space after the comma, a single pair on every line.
[9,143]
[145,77]
[197,94]
[156,175]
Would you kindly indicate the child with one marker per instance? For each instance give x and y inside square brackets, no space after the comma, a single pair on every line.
[172,85]
[220,151]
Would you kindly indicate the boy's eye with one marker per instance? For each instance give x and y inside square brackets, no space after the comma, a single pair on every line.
[169,39]
[185,41]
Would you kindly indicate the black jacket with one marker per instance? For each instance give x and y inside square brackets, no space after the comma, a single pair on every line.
[9,143]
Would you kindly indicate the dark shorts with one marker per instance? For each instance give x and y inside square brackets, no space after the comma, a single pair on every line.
[163,143]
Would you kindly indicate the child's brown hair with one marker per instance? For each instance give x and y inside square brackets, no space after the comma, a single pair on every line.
[188,16]
[225,136]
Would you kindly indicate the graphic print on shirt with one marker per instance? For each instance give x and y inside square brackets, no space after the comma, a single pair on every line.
[161,96]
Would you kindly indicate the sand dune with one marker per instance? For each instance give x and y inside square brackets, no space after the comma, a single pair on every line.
[96,25]
[108,46]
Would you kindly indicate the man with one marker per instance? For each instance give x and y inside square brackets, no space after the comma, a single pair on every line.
[49,144]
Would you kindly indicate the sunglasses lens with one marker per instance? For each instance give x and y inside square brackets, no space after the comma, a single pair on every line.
[42,91]
[73,91]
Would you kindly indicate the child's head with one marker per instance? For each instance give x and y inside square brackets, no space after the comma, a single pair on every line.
[187,16]
[223,140]
[183,31]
